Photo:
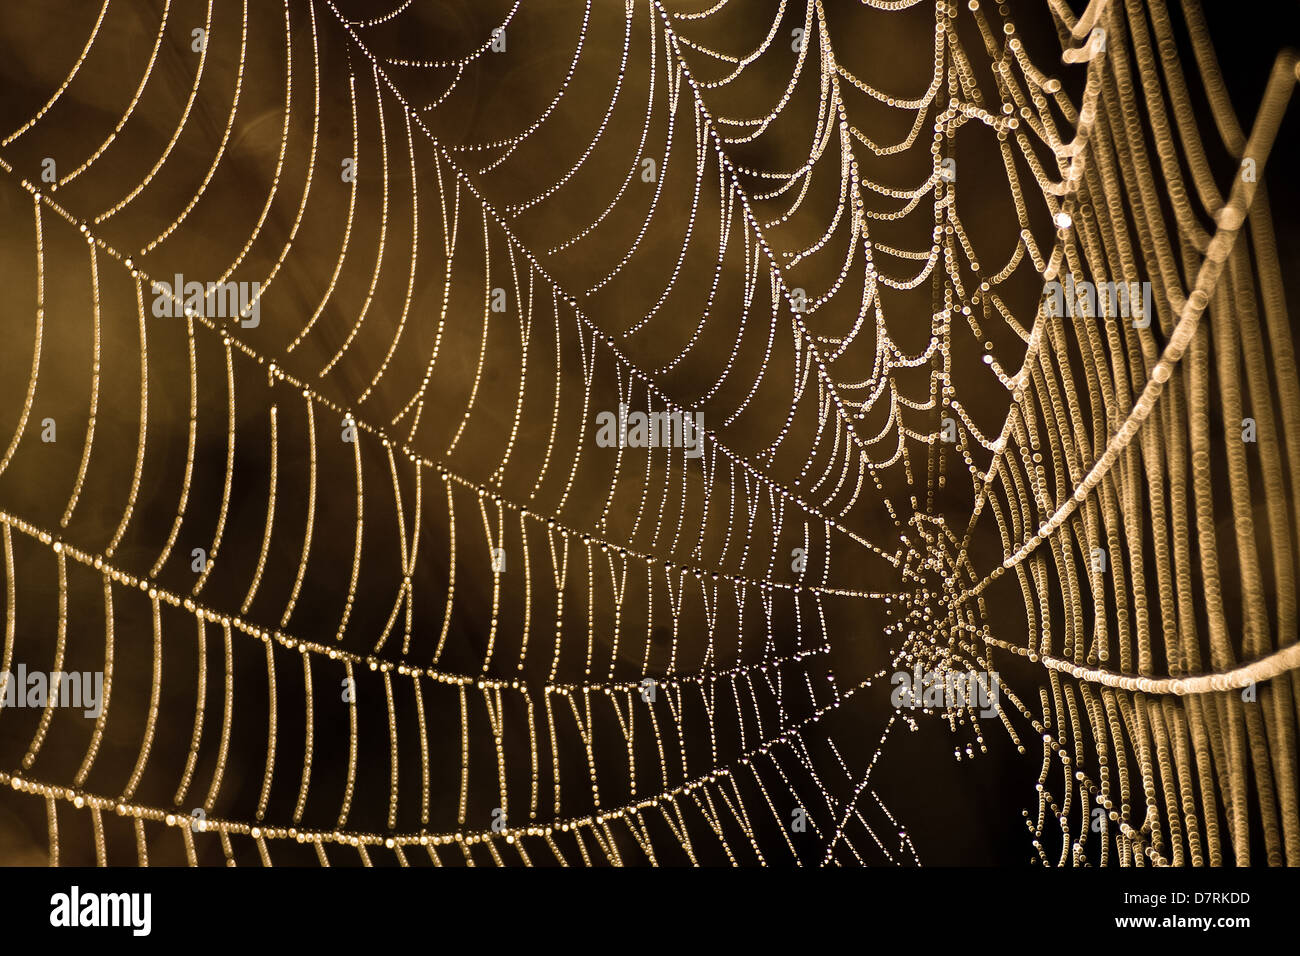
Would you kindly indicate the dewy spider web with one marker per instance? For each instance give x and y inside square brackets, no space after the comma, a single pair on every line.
[365,588]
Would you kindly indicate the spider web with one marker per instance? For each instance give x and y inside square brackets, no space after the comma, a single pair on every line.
[365,587]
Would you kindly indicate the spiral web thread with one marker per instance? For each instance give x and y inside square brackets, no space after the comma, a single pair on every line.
[490,588]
